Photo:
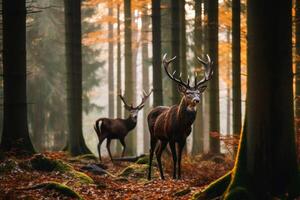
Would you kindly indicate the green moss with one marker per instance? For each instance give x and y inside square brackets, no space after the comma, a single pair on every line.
[143,160]
[215,189]
[182,192]
[238,193]
[41,162]
[127,171]
[135,171]
[52,185]
[7,166]
[81,176]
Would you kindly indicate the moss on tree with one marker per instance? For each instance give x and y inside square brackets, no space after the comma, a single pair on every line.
[52,185]
[182,192]
[135,171]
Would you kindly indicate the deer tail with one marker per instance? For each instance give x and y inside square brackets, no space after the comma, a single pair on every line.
[97,127]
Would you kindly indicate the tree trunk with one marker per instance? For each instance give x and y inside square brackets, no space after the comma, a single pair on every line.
[145,72]
[214,83]
[111,93]
[15,128]
[236,68]
[128,67]
[182,56]
[76,143]
[175,47]
[156,52]
[266,166]
[119,81]
[297,77]
[228,107]
[206,96]
[198,125]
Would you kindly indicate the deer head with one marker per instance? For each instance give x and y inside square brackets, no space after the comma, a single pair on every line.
[134,110]
[191,94]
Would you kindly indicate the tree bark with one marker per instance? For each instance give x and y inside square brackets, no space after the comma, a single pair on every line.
[156,52]
[297,76]
[119,81]
[198,125]
[214,107]
[266,165]
[128,67]
[145,72]
[175,47]
[236,68]
[76,143]
[182,56]
[111,93]
[15,126]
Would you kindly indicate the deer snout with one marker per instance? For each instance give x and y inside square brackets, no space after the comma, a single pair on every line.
[196,100]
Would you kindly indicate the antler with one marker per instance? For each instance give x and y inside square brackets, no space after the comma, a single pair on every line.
[166,65]
[208,71]
[144,99]
[125,104]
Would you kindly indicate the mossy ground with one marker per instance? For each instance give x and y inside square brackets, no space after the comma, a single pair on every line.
[49,172]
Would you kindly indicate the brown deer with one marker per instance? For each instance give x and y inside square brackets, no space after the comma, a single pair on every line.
[118,128]
[173,124]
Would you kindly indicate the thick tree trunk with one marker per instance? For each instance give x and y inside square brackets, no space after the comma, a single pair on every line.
[297,77]
[111,93]
[145,72]
[128,68]
[15,128]
[266,165]
[236,68]
[175,47]
[156,52]
[214,83]
[76,143]
[198,125]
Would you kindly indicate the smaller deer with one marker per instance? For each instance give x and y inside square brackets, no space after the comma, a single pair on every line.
[118,128]
[173,124]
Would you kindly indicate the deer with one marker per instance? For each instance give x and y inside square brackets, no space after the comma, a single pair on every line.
[172,125]
[118,128]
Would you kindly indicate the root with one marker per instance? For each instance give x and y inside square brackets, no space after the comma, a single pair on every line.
[52,185]
[215,189]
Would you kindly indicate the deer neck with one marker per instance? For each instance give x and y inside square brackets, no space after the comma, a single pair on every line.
[130,123]
[184,114]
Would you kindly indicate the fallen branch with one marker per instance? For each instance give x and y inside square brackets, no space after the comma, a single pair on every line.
[129,158]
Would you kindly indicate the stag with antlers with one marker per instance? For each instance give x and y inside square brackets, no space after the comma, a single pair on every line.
[173,124]
[118,128]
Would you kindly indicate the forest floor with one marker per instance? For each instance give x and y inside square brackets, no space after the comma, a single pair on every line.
[55,175]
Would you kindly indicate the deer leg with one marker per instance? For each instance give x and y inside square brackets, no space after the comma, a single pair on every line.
[158,153]
[101,139]
[173,150]
[108,149]
[124,146]
[180,149]
[152,148]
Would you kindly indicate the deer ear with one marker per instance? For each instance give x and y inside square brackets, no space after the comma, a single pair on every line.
[181,89]
[202,88]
